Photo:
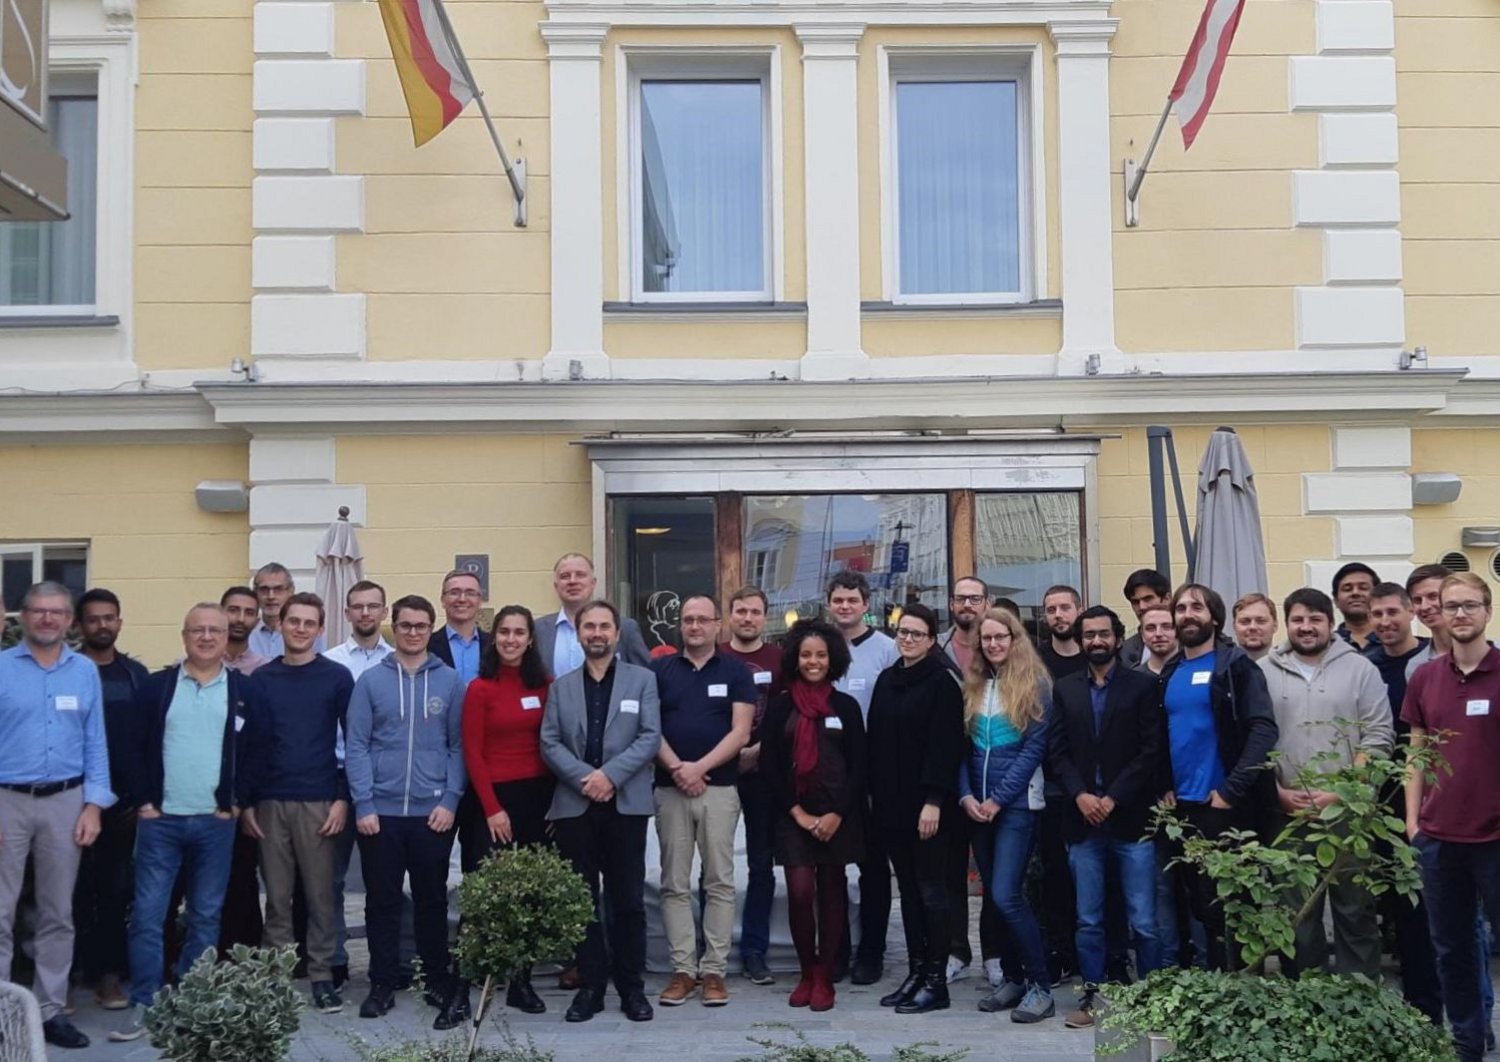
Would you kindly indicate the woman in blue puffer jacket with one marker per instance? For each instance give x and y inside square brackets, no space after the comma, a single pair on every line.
[1007,695]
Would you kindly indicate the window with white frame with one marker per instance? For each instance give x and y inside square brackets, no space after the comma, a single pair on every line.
[700,188]
[25,563]
[52,263]
[959,167]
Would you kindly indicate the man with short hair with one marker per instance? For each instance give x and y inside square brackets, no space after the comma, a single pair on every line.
[1105,748]
[707,708]
[1159,634]
[1255,625]
[460,640]
[1145,588]
[406,775]
[1424,587]
[747,644]
[296,800]
[600,734]
[870,653]
[242,608]
[1351,593]
[101,899]
[182,766]
[1329,701]
[1061,654]
[1395,643]
[557,635]
[54,783]
[274,585]
[967,603]
[1454,822]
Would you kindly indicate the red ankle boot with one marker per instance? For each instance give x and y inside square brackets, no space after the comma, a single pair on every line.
[802,994]
[822,991]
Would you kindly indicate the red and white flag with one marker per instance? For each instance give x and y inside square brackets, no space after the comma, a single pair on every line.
[1198,80]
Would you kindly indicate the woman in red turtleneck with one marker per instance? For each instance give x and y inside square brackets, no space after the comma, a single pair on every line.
[502,750]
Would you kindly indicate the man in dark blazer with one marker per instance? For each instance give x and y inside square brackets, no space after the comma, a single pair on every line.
[459,642]
[600,735]
[1107,739]
[557,636]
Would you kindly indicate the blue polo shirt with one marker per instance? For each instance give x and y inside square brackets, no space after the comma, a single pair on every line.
[52,719]
[1192,734]
[697,708]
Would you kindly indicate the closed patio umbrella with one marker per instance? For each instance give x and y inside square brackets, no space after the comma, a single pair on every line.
[341,564]
[1231,549]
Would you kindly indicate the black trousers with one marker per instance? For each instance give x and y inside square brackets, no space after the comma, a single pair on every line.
[958,902]
[526,802]
[1202,893]
[603,844]
[102,898]
[874,899]
[1059,904]
[922,874]
[406,847]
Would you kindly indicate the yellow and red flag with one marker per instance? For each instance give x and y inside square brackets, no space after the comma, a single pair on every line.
[434,77]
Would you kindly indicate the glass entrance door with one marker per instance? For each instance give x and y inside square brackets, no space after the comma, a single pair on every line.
[661,553]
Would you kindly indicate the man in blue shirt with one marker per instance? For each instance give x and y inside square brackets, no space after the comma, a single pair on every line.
[54,782]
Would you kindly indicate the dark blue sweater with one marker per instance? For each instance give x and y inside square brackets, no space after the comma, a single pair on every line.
[292,729]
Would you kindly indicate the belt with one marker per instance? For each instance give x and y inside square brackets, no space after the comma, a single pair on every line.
[44,789]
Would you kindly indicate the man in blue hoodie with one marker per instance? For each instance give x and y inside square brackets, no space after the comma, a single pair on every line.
[405,766]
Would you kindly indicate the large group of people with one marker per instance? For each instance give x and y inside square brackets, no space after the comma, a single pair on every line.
[255,765]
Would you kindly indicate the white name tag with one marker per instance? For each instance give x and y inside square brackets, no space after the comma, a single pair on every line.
[1478,708]
[239,723]
[833,722]
[762,678]
[856,684]
[630,707]
[1202,678]
[531,703]
[718,689]
[65,703]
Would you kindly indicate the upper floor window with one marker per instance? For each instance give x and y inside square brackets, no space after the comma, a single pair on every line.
[700,188]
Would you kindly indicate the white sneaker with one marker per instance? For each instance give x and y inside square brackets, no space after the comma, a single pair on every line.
[957,969]
[993,973]
[133,1027]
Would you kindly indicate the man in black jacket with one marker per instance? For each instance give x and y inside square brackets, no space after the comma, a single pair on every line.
[1105,751]
[1220,733]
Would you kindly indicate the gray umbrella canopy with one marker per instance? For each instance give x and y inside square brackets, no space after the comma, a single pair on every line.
[1231,548]
[341,564]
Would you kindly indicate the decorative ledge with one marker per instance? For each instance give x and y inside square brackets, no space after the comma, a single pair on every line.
[1038,308]
[52,320]
[678,311]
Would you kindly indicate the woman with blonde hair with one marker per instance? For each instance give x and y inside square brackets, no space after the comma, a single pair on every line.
[1007,697]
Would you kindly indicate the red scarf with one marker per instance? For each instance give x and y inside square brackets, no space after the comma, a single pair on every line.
[812,705]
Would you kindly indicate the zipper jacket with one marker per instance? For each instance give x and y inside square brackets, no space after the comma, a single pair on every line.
[404,751]
[1010,774]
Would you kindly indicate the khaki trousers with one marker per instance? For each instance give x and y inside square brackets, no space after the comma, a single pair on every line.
[292,848]
[43,828]
[704,824]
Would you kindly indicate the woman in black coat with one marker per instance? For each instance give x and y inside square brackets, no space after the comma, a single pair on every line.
[916,750]
[813,754]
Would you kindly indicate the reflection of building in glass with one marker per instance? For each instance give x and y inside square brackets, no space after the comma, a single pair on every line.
[1025,543]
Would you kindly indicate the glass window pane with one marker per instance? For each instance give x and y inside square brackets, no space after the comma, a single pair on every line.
[51,263]
[16,574]
[661,553]
[702,180]
[795,543]
[1024,543]
[958,176]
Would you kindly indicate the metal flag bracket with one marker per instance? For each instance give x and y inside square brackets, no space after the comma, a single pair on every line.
[1135,172]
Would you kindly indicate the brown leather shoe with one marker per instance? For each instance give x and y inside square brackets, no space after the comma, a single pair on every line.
[679,990]
[569,980]
[715,994]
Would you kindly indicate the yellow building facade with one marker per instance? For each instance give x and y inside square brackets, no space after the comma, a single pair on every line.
[798,282]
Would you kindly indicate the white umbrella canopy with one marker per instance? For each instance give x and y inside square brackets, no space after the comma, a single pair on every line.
[1231,550]
[341,564]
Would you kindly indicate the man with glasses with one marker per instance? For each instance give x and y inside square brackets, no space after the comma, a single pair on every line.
[707,708]
[557,634]
[967,602]
[1145,588]
[273,585]
[459,642]
[182,767]
[1454,822]
[54,783]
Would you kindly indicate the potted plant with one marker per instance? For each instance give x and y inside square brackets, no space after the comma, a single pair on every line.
[244,1010]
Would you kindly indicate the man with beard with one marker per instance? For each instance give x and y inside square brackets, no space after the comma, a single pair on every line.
[1061,654]
[242,922]
[1159,634]
[101,899]
[1220,732]
[243,609]
[1146,588]
[1255,625]
[1351,593]
[1329,701]
[967,602]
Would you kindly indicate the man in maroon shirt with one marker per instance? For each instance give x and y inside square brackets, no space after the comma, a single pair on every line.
[1455,822]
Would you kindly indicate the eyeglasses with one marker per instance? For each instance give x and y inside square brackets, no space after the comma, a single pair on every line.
[49,613]
[906,634]
[698,621]
[1468,608]
[968,599]
[413,628]
[204,632]
[365,608]
[467,595]
[995,639]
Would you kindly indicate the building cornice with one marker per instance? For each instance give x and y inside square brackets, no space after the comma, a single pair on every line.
[812,12]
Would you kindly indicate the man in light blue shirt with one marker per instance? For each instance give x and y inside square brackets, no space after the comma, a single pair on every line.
[54,781]
[273,585]
[459,642]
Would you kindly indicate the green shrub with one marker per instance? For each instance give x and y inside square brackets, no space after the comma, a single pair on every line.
[800,1049]
[244,1010]
[519,907]
[456,1049]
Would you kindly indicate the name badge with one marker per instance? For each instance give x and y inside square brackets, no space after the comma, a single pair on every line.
[762,678]
[531,704]
[630,707]
[833,722]
[1478,708]
[856,684]
[239,723]
[65,703]
[1202,678]
[719,689]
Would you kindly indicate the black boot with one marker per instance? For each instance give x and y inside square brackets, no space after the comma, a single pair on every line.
[456,1009]
[521,996]
[906,989]
[931,993]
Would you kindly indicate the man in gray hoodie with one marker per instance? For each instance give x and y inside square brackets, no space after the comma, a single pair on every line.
[1328,699]
[405,765]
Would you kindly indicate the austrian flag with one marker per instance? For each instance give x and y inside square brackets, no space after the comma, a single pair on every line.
[433,76]
[1198,80]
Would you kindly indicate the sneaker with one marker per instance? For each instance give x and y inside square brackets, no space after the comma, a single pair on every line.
[1007,994]
[679,990]
[1036,1006]
[993,974]
[109,995]
[1088,1005]
[132,1027]
[957,969]
[715,993]
[756,970]
[326,998]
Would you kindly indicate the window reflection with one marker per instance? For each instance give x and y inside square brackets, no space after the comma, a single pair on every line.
[662,554]
[1024,543]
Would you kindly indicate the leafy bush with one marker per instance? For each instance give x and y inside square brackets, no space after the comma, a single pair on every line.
[455,1049]
[800,1049]
[244,1010]
[520,906]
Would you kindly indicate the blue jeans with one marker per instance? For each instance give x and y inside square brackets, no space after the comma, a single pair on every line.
[1003,848]
[1455,878]
[1135,863]
[757,806]
[203,846]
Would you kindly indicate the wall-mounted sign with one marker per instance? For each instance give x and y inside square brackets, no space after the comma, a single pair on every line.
[476,564]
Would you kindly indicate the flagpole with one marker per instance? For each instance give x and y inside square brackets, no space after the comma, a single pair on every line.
[1135,173]
[517,179]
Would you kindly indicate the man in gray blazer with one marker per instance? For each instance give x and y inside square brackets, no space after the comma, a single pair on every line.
[600,734]
[557,636]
